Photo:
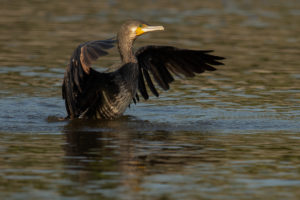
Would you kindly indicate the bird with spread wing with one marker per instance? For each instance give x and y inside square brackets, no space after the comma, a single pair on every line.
[106,95]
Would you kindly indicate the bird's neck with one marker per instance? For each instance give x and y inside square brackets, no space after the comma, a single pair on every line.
[126,50]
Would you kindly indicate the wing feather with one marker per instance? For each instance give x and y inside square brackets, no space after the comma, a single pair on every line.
[142,86]
[81,83]
[150,83]
[162,61]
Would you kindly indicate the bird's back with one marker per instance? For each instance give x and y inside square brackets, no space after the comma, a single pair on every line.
[102,95]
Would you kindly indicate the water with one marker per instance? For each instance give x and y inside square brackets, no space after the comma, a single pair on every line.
[230,134]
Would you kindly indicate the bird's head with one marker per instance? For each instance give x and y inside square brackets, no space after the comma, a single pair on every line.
[133,28]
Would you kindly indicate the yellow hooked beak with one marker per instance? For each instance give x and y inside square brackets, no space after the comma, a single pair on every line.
[145,28]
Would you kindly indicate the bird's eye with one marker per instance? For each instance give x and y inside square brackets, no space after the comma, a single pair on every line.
[141,25]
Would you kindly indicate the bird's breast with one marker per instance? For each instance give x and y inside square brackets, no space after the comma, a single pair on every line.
[115,104]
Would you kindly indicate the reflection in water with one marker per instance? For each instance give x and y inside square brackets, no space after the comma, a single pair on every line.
[115,160]
[136,159]
[112,155]
[102,155]
[118,139]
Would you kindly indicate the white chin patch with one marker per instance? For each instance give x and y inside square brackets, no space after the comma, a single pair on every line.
[133,29]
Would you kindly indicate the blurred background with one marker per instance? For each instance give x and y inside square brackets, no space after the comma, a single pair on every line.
[228,134]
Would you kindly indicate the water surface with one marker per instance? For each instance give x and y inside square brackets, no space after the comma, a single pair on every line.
[229,134]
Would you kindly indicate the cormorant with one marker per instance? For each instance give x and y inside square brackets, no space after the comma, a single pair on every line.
[106,95]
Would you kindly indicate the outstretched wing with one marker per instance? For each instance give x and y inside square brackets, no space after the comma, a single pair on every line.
[81,82]
[160,61]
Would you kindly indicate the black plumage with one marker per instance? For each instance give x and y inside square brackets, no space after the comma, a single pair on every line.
[106,95]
